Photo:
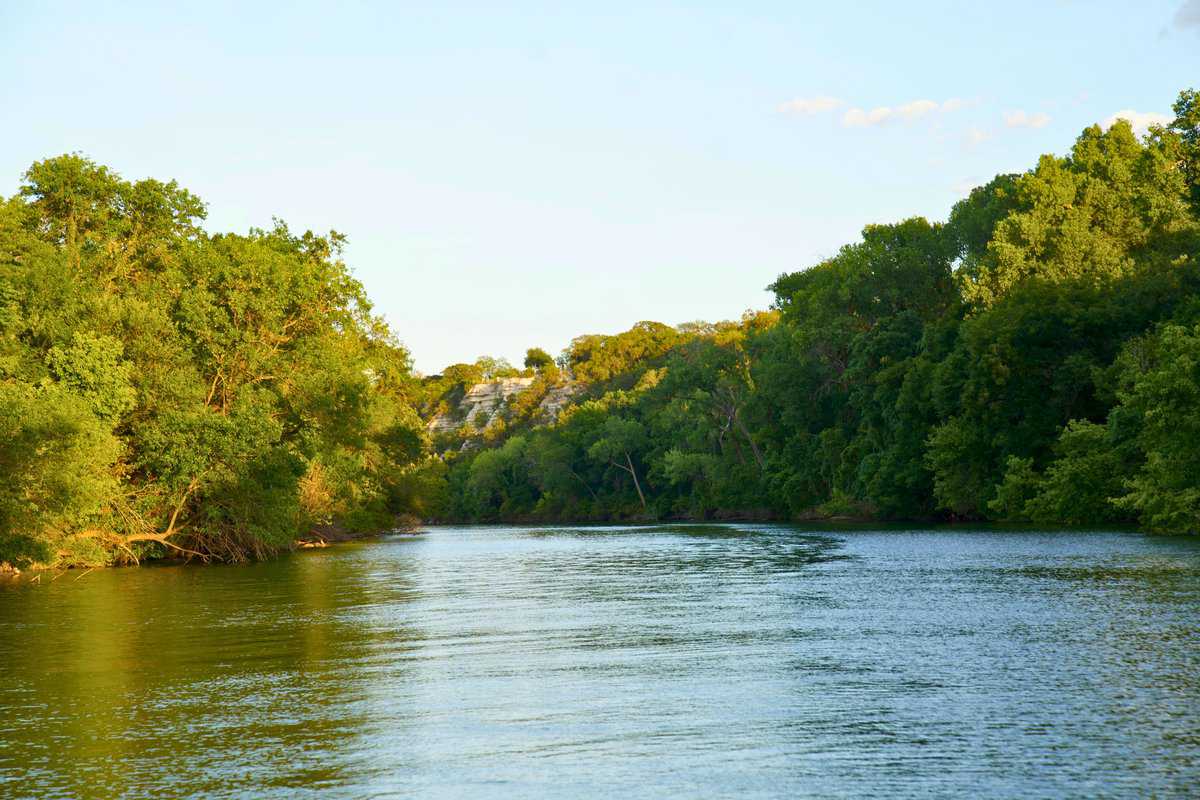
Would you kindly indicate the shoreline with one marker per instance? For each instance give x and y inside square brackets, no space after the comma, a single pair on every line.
[330,536]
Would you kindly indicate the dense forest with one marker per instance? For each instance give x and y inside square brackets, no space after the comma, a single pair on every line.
[1036,357]
[166,391]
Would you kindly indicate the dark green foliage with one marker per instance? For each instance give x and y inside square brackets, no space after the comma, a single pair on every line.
[1016,363]
[1082,480]
[1159,410]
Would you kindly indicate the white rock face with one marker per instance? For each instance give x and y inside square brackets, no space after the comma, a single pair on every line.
[489,397]
[556,399]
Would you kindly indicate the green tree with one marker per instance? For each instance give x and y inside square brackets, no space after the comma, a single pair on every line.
[93,367]
[58,461]
[249,391]
[1160,399]
[538,359]
[1082,481]
[619,440]
[1186,127]
[1091,216]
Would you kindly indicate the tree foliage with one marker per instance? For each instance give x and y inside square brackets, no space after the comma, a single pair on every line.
[1032,358]
[170,391]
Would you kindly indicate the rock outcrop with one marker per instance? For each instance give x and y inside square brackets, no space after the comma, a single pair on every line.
[482,398]
[557,399]
[490,398]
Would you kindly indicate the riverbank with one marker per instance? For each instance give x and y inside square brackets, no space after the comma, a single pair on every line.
[319,537]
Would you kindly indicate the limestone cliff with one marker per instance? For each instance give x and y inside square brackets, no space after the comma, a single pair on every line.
[483,402]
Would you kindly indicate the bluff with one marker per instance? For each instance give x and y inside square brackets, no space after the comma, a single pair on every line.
[532,399]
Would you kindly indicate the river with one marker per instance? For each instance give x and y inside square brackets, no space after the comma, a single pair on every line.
[733,660]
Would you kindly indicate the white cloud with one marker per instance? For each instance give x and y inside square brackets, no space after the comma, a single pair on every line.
[1023,119]
[810,105]
[861,118]
[977,136]
[1188,15]
[1140,120]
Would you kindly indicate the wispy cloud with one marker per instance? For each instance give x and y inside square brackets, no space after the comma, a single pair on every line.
[881,115]
[977,136]
[856,117]
[1023,119]
[1188,16]
[811,105]
[1140,120]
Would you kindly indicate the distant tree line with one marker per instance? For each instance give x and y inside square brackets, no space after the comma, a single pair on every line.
[1036,357]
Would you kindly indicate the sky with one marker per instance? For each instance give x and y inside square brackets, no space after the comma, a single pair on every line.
[514,175]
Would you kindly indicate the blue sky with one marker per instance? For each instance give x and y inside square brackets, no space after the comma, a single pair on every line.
[513,175]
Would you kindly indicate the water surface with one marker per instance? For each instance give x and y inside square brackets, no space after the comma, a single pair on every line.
[681,661]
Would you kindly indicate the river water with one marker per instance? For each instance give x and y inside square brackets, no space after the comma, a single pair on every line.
[658,661]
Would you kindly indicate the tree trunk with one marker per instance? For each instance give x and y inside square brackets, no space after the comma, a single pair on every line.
[585,484]
[753,447]
[636,485]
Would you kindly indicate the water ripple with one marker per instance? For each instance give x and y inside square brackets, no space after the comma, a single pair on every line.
[684,660]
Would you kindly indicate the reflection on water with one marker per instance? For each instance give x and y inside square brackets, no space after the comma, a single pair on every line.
[695,660]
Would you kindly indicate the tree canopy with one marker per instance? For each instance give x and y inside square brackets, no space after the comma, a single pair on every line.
[1031,358]
[167,390]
